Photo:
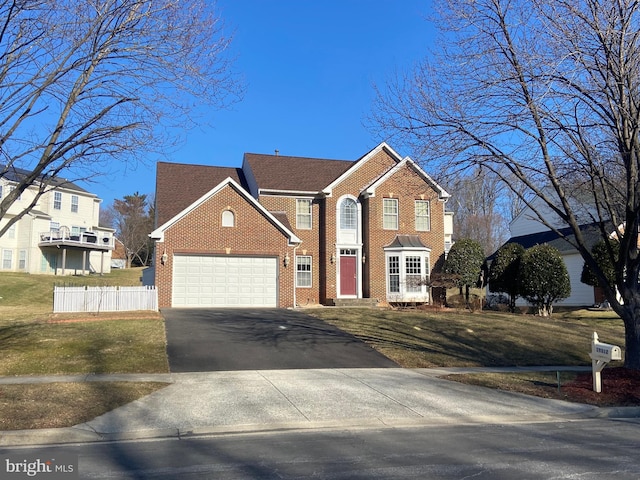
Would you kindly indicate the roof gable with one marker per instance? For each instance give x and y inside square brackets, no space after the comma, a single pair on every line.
[359,163]
[179,185]
[370,191]
[158,233]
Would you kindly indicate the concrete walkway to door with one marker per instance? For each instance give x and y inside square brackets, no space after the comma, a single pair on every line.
[206,340]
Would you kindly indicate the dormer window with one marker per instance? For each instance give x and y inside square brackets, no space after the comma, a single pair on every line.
[228,219]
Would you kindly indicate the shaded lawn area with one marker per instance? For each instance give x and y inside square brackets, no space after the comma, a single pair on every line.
[430,338]
[79,347]
[55,405]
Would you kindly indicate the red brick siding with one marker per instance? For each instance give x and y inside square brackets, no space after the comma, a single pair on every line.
[407,186]
[366,174]
[200,232]
[310,242]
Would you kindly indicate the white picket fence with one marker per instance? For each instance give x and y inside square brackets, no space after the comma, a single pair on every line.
[104,299]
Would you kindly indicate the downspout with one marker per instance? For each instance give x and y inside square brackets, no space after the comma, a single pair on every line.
[295,302]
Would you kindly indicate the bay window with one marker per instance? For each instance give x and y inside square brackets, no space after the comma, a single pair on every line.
[407,275]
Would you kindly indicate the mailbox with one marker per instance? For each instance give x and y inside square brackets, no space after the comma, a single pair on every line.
[601,354]
[605,352]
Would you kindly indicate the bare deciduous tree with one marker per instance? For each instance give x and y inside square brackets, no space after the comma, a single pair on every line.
[83,84]
[477,205]
[546,92]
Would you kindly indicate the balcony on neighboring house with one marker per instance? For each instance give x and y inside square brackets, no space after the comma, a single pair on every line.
[85,240]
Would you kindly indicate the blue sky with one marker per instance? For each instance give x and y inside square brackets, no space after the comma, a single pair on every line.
[309,67]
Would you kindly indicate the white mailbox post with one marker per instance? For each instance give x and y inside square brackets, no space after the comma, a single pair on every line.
[601,354]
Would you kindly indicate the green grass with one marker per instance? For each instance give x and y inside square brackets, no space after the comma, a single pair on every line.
[97,343]
[431,338]
[33,341]
[26,297]
[56,405]
[105,346]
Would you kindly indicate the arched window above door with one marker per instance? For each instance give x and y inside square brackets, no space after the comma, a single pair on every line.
[348,214]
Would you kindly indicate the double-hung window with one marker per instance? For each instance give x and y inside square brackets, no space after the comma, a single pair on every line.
[57,200]
[7,259]
[390,213]
[303,213]
[22,260]
[393,267]
[303,271]
[423,216]
[74,203]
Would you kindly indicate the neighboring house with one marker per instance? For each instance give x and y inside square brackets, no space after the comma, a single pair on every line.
[527,230]
[283,231]
[59,235]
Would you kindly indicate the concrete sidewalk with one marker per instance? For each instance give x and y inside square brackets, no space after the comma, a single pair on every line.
[263,400]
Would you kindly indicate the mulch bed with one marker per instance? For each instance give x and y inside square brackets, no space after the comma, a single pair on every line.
[620,388]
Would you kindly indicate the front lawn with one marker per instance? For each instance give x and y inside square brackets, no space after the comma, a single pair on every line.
[87,346]
[416,339]
[33,341]
[431,338]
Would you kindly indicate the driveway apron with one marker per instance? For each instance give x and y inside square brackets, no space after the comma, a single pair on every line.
[201,340]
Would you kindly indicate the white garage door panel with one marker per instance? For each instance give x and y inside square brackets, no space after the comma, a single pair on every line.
[208,281]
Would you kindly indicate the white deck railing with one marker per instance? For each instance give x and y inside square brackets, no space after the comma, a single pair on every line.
[85,239]
[104,299]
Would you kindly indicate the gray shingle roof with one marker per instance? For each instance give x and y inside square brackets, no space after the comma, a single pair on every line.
[591,233]
[14,174]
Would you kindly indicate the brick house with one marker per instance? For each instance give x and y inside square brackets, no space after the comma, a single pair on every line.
[285,231]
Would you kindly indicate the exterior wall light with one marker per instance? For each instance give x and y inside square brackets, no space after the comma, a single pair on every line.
[333,258]
[164,258]
[286,260]
[364,258]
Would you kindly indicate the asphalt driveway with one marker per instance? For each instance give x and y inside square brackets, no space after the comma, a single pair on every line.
[200,340]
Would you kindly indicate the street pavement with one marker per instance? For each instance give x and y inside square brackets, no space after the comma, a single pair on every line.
[201,403]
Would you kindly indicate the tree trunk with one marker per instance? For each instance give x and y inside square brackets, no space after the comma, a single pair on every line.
[631,318]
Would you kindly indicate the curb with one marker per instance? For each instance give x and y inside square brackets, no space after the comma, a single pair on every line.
[80,435]
[617,412]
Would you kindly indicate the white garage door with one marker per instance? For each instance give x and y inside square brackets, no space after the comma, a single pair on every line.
[225,281]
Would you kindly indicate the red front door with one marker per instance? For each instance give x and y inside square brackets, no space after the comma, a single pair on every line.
[348,275]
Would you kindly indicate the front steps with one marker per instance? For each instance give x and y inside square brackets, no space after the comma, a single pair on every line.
[353,302]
